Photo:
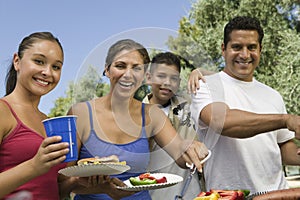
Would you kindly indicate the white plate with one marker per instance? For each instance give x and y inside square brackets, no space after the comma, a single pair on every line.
[94,169]
[172,179]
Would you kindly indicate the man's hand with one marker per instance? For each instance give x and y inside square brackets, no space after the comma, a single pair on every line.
[293,124]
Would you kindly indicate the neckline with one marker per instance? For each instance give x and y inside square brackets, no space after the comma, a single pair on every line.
[230,78]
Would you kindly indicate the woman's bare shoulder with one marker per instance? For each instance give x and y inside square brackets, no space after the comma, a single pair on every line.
[5,111]
[77,108]
[7,120]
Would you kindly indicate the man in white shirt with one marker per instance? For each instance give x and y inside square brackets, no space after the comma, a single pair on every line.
[242,120]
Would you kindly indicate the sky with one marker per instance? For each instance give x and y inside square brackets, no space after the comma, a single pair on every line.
[86,28]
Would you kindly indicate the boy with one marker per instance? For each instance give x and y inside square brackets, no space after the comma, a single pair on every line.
[164,79]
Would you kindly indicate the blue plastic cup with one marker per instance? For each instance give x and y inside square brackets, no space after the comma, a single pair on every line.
[65,127]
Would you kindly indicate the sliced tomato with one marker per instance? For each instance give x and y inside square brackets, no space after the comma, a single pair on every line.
[146,175]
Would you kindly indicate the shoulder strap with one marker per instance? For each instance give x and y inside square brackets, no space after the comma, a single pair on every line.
[11,110]
[143,115]
[144,134]
[90,115]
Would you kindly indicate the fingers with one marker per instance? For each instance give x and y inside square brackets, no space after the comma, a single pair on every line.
[293,124]
[195,85]
[195,153]
[53,151]
[118,182]
[200,76]
[84,181]
[50,153]
[188,157]
[93,181]
[192,86]
[49,140]
[201,150]
[193,82]
[56,150]
[98,180]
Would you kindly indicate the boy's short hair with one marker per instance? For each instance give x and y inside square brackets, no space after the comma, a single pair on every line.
[167,58]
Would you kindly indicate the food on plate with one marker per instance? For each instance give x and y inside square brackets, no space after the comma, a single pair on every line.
[208,196]
[223,195]
[146,179]
[137,181]
[291,194]
[109,159]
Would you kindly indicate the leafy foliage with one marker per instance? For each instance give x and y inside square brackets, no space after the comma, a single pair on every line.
[200,34]
[62,104]
[199,41]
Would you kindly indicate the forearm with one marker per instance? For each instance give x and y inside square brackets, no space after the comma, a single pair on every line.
[13,178]
[242,124]
[175,150]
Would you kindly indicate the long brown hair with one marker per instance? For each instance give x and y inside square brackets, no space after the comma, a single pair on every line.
[27,42]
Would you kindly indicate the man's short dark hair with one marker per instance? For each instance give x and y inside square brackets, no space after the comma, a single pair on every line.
[243,23]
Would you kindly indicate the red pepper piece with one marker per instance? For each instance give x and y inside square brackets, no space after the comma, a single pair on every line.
[161,180]
[204,194]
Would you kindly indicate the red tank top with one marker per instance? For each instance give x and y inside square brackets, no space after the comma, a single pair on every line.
[21,145]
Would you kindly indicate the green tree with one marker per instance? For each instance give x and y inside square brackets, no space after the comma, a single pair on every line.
[199,40]
[62,104]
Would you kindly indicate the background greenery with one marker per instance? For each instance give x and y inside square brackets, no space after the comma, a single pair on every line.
[200,36]
[199,41]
